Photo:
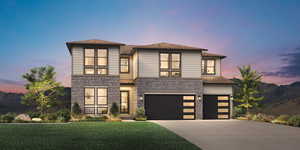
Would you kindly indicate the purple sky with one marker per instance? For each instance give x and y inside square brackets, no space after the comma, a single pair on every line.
[264,34]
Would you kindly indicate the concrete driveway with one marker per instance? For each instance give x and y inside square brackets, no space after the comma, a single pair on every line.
[235,134]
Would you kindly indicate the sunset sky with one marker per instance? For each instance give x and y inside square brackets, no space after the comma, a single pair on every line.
[262,33]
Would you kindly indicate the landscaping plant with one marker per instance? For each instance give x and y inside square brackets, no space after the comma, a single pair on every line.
[294,121]
[140,114]
[247,95]
[114,110]
[42,89]
[76,109]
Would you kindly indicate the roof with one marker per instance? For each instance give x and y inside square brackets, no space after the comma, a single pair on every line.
[164,45]
[126,49]
[205,54]
[216,80]
[92,42]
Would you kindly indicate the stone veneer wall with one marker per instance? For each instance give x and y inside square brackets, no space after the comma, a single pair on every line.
[112,83]
[170,85]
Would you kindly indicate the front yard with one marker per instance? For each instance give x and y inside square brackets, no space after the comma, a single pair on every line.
[91,136]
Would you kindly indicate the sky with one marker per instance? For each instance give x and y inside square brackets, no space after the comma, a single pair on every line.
[262,33]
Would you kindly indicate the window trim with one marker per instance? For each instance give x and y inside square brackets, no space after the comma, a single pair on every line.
[128,102]
[205,66]
[128,66]
[169,69]
[95,106]
[95,67]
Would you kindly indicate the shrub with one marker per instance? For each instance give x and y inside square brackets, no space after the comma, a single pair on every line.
[101,118]
[249,116]
[76,109]
[33,114]
[64,115]
[8,118]
[239,111]
[282,119]
[294,121]
[140,114]
[114,110]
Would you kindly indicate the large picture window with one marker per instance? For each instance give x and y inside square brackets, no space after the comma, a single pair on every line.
[95,61]
[95,100]
[124,101]
[124,65]
[170,64]
[208,66]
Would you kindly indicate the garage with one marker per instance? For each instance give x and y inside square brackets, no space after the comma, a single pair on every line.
[169,107]
[216,107]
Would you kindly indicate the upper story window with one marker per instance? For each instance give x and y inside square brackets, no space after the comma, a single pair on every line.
[170,65]
[95,61]
[124,65]
[208,66]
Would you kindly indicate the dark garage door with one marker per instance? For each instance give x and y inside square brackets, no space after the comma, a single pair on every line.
[216,107]
[169,107]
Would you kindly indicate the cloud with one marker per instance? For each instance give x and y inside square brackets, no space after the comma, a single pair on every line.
[291,69]
[4,81]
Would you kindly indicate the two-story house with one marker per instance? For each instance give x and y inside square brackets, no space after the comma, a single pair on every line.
[169,81]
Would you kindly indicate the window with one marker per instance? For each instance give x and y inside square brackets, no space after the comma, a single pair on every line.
[95,100]
[124,102]
[170,64]
[95,61]
[124,65]
[209,66]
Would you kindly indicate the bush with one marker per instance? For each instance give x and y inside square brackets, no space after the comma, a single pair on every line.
[114,110]
[76,109]
[282,119]
[140,112]
[101,118]
[249,116]
[262,117]
[294,121]
[33,114]
[7,118]
[49,116]
[239,111]
[140,119]
[63,115]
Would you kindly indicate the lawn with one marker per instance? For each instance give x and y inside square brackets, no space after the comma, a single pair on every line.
[91,136]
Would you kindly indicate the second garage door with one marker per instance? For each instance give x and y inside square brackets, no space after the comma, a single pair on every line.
[169,107]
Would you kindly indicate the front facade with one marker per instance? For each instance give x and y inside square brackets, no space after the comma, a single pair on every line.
[170,81]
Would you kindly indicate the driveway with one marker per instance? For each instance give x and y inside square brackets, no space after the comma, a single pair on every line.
[235,134]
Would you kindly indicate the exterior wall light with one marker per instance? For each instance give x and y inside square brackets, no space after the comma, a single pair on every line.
[231,97]
[141,98]
[199,98]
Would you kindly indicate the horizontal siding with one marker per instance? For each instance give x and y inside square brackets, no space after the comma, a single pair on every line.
[113,61]
[217,89]
[77,60]
[148,63]
[191,64]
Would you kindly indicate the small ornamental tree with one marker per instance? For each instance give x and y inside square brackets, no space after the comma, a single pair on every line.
[248,95]
[114,110]
[76,109]
[42,89]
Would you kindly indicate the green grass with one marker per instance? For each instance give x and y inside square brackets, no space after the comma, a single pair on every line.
[91,136]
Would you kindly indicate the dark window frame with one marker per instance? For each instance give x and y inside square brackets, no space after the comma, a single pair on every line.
[170,61]
[95,67]
[128,65]
[204,70]
[128,102]
[95,106]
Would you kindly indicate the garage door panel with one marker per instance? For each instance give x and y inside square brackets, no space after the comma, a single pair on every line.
[216,107]
[169,107]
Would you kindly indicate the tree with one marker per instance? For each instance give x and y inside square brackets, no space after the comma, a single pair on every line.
[248,94]
[42,89]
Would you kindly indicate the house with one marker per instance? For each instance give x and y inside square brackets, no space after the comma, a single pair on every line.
[169,81]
